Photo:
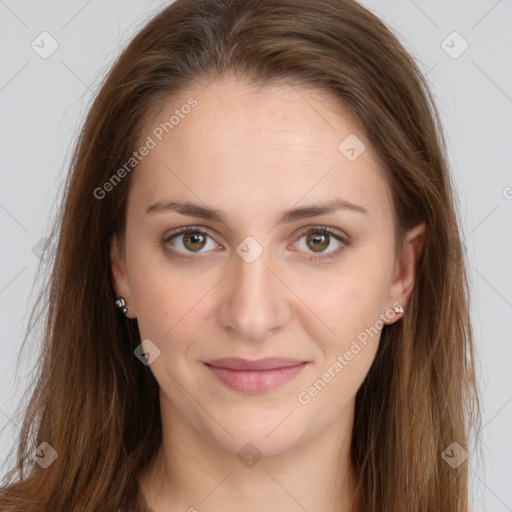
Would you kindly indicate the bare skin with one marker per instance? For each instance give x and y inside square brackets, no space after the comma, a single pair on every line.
[252,155]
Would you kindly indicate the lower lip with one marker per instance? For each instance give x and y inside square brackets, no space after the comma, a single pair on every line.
[255,381]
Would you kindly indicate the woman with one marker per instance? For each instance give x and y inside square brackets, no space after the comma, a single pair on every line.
[259,298]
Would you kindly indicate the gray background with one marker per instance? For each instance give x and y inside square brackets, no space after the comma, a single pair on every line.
[43,102]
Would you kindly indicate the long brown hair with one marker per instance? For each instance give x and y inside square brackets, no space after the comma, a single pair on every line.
[97,406]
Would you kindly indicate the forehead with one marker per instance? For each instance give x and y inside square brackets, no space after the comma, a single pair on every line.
[252,149]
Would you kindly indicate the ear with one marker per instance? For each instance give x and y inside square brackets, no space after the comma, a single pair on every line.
[120,280]
[404,273]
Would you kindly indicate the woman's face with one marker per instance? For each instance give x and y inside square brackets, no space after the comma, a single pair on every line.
[263,282]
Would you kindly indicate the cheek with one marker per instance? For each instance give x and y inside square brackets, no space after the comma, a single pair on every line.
[352,308]
[347,301]
[172,300]
[162,294]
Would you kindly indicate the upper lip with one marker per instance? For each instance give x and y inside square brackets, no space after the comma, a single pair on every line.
[267,363]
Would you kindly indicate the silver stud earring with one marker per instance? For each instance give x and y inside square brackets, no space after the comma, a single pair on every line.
[398,308]
[121,304]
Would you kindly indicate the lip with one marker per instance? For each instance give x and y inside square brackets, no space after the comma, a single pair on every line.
[255,376]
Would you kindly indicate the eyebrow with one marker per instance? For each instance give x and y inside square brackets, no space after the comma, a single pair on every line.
[285,217]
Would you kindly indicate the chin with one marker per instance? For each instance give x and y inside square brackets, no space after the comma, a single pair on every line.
[257,438]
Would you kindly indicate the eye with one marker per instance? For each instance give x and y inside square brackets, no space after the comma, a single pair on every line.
[319,238]
[188,240]
[192,240]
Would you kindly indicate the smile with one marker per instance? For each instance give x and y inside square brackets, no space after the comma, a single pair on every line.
[255,381]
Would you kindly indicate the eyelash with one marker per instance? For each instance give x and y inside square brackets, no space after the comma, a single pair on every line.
[324,230]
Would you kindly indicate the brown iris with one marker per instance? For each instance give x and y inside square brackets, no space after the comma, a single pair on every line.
[194,241]
[320,241]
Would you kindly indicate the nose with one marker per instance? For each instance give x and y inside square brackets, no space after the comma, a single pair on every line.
[254,304]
